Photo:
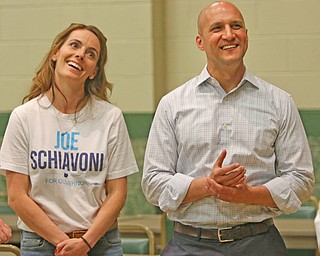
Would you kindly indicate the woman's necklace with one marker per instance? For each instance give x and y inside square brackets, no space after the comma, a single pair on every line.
[63,127]
[63,130]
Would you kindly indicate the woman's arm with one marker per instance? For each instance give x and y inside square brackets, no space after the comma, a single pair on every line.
[31,214]
[108,213]
[110,209]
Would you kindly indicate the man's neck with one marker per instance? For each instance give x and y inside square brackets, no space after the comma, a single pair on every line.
[228,77]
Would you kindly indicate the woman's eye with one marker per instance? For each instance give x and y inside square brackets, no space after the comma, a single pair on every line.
[91,54]
[74,45]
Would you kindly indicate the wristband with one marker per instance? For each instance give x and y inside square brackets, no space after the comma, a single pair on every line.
[86,242]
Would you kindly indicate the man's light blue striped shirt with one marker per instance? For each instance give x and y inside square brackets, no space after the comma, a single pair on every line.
[259,126]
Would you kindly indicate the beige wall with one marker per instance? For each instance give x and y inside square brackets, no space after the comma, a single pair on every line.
[27,28]
[283,38]
[152,45]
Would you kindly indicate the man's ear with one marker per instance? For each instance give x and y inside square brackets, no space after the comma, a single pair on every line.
[199,42]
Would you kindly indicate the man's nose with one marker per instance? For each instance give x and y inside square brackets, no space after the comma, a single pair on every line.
[228,33]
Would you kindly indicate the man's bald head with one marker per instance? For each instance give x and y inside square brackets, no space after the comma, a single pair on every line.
[202,18]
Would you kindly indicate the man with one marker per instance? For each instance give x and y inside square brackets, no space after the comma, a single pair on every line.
[227,151]
[5,232]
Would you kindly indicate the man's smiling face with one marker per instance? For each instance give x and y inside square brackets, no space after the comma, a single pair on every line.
[222,34]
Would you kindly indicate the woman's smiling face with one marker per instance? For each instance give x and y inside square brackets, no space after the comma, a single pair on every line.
[78,57]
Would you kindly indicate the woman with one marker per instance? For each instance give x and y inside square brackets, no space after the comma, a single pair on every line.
[66,153]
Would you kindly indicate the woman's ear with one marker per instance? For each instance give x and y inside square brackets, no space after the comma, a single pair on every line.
[94,73]
[54,57]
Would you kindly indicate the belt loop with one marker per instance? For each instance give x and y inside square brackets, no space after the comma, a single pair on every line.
[199,234]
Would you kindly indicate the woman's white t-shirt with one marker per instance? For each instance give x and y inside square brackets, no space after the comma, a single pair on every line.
[68,161]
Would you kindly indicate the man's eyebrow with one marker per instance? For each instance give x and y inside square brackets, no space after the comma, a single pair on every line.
[216,23]
[220,23]
[238,22]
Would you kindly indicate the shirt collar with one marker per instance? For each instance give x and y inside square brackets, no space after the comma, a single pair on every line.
[247,77]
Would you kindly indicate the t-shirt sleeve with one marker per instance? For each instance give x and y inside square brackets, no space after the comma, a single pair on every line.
[121,159]
[14,148]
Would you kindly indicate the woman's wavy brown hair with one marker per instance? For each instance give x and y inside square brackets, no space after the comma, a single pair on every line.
[44,78]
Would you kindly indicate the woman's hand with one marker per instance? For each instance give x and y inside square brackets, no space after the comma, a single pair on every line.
[71,247]
[5,232]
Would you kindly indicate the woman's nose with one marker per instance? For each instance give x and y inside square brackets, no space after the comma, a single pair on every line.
[80,54]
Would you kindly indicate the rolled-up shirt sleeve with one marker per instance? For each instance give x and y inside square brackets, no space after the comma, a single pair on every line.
[161,184]
[295,178]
